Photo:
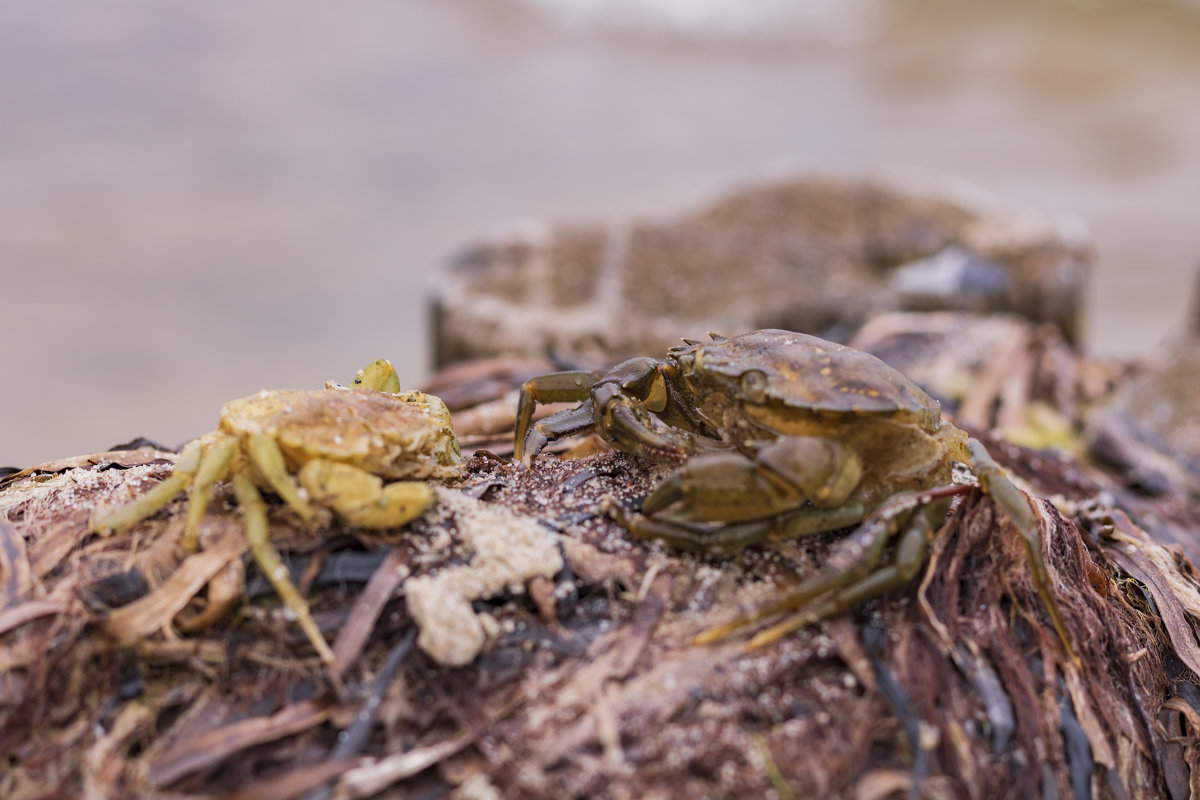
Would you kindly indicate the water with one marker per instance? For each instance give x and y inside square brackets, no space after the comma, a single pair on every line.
[202,200]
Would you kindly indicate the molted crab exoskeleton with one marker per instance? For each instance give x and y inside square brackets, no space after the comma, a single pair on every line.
[357,451]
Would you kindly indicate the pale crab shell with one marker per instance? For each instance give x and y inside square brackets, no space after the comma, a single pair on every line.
[394,436]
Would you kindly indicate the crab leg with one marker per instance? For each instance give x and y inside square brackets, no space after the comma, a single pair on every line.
[268,458]
[692,537]
[718,540]
[996,483]
[124,518]
[558,387]
[851,583]
[212,468]
[555,426]
[254,513]
[910,554]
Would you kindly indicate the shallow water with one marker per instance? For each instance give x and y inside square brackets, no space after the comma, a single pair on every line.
[202,200]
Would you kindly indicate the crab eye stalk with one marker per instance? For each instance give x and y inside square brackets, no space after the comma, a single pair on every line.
[379,375]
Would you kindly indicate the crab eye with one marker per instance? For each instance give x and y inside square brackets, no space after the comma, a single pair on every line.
[754,386]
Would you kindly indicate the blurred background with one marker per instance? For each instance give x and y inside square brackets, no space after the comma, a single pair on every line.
[201,200]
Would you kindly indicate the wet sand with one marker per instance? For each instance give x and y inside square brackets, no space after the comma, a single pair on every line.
[200,201]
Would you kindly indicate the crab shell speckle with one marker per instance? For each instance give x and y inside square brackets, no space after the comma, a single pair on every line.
[393,436]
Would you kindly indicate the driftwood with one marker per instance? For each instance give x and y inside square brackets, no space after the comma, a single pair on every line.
[124,672]
[819,253]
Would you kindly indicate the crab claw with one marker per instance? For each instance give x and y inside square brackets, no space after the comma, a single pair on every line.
[642,436]
[670,491]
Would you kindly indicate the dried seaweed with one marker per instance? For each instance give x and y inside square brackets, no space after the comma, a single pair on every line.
[124,671]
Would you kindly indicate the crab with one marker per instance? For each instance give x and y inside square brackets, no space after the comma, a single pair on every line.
[320,452]
[782,434]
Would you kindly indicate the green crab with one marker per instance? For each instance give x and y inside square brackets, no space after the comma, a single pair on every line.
[316,450]
[783,434]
